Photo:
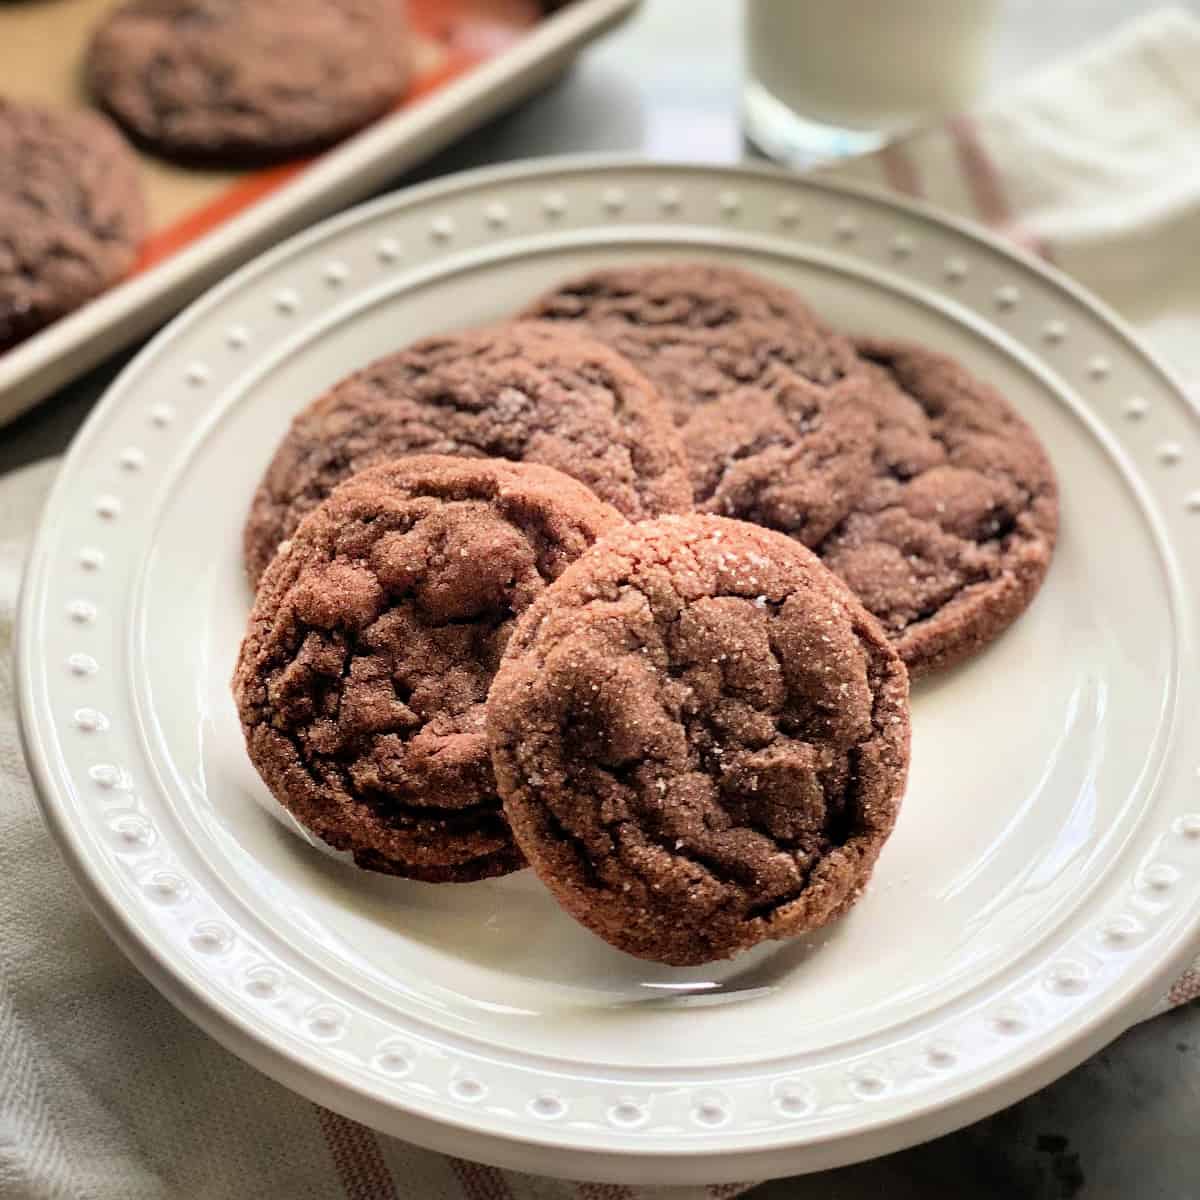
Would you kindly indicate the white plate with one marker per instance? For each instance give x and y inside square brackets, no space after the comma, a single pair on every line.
[1045,875]
[363,164]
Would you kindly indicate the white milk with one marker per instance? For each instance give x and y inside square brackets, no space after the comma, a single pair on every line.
[871,67]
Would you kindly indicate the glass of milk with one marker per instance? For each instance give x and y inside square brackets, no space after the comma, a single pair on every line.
[828,78]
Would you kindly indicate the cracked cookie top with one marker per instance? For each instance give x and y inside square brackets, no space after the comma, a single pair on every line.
[71,214]
[372,643]
[698,330]
[525,391]
[914,481]
[701,739]
[248,79]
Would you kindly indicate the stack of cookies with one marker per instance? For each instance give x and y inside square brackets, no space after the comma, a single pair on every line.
[629,590]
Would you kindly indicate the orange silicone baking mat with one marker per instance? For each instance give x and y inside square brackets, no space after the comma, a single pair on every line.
[42,45]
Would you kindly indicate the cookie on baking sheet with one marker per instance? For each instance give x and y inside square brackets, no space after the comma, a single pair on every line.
[918,484]
[527,391]
[701,739]
[699,329]
[228,80]
[372,643]
[71,214]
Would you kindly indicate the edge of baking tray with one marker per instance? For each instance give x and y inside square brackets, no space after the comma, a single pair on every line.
[30,372]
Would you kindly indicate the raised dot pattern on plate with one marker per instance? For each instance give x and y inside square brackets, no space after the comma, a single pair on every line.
[395,1058]
[789,214]
[710,1110]
[82,612]
[326,1022]
[166,888]
[1009,1021]
[264,983]
[108,775]
[335,273]
[547,1106]
[793,1098]
[1067,979]
[1008,296]
[1188,826]
[91,720]
[133,832]
[1120,932]
[941,1056]
[1159,878]
[627,1113]
[468,1088]
[211,937]
[869,1082]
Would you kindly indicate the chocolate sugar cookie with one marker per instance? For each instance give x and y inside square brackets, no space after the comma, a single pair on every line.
[527,392]
[917,483]
[701,739]
[240,81]
[71,214]
[372,643]
[698,329]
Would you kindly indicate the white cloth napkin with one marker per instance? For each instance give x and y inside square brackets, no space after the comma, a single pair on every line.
[107,1093]
[1094,164]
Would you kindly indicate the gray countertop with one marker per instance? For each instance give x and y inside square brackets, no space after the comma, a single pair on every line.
[1126,1123]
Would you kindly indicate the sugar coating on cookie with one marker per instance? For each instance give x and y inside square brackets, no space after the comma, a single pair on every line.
[526,391]
[699,329]
[701,739]
[234,80]
[71,214]
[793,457]
[915,481]
[373,640]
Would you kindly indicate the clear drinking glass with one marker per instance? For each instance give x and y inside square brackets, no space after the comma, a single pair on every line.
[828,78]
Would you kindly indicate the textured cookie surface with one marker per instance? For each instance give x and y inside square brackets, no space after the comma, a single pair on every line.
[698,330]
[526,392]
[71,214]
[701,739]
[916,482]
[231,79]
[372,643]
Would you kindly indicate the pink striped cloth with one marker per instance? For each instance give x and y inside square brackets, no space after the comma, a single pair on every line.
[106,1092]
